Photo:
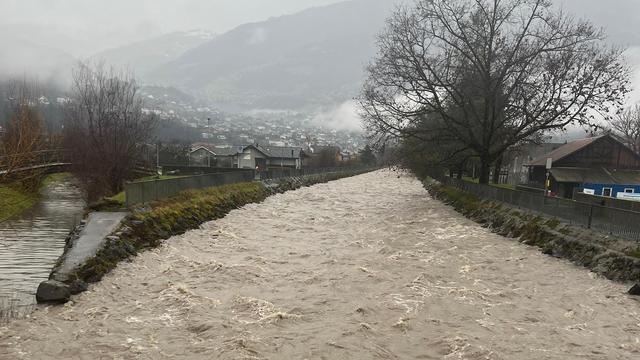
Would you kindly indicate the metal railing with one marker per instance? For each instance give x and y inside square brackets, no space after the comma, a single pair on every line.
[33,160]
[608,220]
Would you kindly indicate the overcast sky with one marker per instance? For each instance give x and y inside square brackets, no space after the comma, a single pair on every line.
[88,26]
[84,27]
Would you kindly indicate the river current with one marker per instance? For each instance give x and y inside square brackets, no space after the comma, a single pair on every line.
[368,267]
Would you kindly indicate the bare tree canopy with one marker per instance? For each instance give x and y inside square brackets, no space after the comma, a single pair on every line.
[24,138]
[105,128]
[627,124]
[491,73]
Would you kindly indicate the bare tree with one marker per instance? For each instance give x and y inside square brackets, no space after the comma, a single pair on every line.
[494,72]
[627,124]
[105,128]
[23,140]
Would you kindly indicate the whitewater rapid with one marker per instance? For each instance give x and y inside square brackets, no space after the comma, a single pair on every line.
[368,267]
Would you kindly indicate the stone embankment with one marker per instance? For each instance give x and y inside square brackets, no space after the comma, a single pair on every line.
[614,258]
[82,244]
[105,239]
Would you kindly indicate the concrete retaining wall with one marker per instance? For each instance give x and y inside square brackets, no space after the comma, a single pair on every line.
[197,170]
[147,191]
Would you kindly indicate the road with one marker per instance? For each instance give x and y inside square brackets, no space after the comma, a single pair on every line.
[368,267]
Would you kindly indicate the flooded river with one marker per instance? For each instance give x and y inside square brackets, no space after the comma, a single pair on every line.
[368,267]
[31,243]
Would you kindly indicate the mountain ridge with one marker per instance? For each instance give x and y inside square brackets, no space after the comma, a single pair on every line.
[312,57]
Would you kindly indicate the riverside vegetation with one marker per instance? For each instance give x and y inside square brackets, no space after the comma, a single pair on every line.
[17,197]
[616,259]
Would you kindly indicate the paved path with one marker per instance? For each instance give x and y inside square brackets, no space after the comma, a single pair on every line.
[91,239]
[362,268]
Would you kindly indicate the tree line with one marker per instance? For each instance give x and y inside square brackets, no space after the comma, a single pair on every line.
[103,129]
[467,80]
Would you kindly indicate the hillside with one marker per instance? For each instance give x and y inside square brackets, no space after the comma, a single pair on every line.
[26,59]
[313,57]
[145,56]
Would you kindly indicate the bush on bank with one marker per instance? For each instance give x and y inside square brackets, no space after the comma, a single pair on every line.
[613,258]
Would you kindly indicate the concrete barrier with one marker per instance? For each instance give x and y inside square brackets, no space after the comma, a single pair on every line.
[153,190]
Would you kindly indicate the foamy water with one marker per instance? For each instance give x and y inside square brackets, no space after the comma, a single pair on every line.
[368,267]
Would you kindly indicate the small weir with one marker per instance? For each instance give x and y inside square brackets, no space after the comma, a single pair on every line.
[31,243]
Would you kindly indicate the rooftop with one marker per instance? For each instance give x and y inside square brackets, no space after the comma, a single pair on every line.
[596,176]
[565,150]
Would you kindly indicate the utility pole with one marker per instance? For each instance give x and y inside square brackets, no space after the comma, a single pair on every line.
[158,170]
[547,181]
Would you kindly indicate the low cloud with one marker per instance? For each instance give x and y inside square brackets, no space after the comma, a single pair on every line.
[258,36]
[344,117]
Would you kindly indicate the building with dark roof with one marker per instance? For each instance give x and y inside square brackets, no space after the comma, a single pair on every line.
[603,165]
[252,156]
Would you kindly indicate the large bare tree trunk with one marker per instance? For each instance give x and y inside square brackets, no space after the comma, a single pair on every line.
[485,169]
[487,75]
[497,170]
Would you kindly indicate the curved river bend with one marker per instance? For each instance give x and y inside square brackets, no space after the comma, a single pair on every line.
[31,243]
[368,267]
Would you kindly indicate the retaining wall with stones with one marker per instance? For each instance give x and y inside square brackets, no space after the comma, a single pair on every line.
[614,258]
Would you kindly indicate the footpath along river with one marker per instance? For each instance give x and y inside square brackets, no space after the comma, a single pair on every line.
[368,267]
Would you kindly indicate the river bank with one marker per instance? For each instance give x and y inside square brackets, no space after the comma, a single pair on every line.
[149,224]
[15,199]
[617,259]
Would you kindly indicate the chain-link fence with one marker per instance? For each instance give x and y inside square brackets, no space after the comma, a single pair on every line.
[608,220]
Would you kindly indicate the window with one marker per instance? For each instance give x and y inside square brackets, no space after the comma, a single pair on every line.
[629,191]
[606,192]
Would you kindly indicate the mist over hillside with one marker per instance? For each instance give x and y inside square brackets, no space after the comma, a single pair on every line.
[23,58]
[146,56]
[311,61]
[314,57]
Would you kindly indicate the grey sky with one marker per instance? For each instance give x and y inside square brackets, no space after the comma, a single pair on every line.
[87,26]
[83,27]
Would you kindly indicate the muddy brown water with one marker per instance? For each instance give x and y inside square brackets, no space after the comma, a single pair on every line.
[32,242]
[368,267]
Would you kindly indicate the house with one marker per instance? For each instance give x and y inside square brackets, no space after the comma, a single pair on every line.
[253,157]
[516,172]
[284,156]
[603,165]
[349,156]
[323,156]
[209,155]
[246,156]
